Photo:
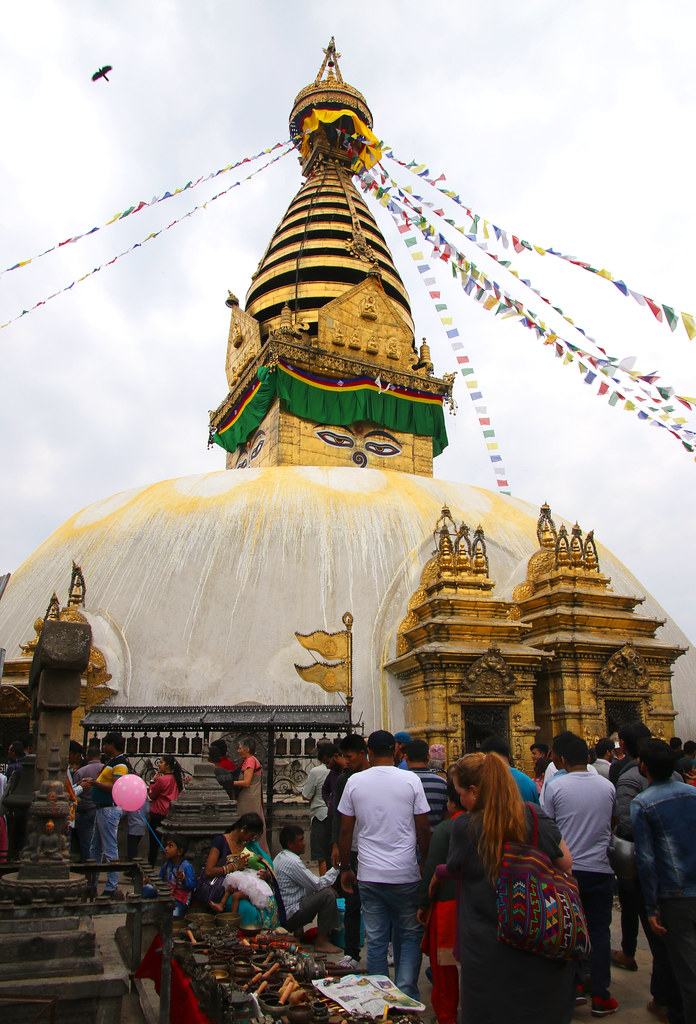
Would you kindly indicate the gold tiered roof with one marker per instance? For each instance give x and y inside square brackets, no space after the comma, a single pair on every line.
[328,239]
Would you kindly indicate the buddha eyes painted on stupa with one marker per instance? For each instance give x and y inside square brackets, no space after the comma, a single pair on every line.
[374,442]
[249,453]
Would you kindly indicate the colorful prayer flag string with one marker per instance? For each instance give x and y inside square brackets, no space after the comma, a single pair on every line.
[137,207]
[154,234]
[479,223]
[491,295]
[664,392]
[463,361]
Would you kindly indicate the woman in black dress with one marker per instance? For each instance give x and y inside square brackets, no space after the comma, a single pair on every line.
[500,984]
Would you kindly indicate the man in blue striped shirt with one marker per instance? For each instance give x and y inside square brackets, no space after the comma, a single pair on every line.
[434,786]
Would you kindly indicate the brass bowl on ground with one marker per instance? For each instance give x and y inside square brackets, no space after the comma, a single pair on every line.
[228,920]
[205,925]
[219,974]
[271,1005]
[250,930]
[302,1013]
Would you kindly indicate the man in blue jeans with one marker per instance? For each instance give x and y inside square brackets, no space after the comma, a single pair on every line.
[664,825]
[388,809]
[583,804]
[108,814]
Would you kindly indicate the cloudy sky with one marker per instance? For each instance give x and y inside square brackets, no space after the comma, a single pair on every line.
[570,125]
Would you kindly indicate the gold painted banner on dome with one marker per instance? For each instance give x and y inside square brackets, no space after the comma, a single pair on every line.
[335,678]
[329,645]
[332,678]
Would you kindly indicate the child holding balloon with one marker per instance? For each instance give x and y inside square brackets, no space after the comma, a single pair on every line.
[177,872]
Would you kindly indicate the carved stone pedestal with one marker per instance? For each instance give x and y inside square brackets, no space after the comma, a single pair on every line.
[48,946]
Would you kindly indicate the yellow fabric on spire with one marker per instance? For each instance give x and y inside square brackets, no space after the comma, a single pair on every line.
[368,154]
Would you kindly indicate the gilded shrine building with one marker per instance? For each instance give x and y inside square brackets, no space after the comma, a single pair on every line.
[471,612]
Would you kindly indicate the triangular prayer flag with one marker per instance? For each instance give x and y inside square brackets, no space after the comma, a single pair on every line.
[672,318]
[689,325]
[657,312]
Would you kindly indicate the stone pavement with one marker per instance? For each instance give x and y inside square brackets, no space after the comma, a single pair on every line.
[631,990]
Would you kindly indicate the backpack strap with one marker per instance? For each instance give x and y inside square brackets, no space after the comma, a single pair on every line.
[535,824]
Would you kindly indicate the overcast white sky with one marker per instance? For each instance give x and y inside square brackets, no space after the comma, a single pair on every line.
[568,124]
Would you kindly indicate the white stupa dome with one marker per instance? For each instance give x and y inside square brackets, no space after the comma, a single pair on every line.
[196,586]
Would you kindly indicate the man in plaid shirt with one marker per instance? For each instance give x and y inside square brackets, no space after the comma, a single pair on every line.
[304,895]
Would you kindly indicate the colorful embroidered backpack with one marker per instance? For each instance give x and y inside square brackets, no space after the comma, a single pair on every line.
[539,907]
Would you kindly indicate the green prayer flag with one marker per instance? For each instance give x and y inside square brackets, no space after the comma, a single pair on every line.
[672,318]
[613,398]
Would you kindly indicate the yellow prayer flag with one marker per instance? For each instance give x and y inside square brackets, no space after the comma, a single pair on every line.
[472,384]
[491,445]
[417,256]
[542,252]
[567,358]
[332,678]
[689,325]
[329,645]
[446,320]
[490,302]
[629,405]
[605,274]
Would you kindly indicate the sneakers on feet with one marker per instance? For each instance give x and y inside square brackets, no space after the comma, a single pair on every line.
[580,997]
[619,959]
[603,1007]
[349,962]
[390,955]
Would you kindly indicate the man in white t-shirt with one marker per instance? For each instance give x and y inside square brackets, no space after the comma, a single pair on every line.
[583,804]
[320,826]
[388,810]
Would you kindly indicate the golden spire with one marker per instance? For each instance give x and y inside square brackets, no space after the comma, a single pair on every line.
[562,548]
[546,528]
[330,59]
[576,547]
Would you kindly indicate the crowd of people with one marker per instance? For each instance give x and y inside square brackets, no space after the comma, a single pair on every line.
[415,851]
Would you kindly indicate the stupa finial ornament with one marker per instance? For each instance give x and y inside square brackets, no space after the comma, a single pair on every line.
[53,610]
[562,548]
[331,61]
[546,528]
[576,547]
[78,588]
[590,557]
[479,558]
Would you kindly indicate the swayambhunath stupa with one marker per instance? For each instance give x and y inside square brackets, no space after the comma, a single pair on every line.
[440,608]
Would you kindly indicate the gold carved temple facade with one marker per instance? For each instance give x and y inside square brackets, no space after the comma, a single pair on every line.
[565,652]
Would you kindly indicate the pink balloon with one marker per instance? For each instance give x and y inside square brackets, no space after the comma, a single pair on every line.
[129,792]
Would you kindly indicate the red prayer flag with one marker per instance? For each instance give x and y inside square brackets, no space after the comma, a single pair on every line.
[655,308]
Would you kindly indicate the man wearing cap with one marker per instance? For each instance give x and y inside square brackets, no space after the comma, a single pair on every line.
[388,810]
[401,741]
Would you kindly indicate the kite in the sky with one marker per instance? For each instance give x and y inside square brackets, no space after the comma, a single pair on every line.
[101,73]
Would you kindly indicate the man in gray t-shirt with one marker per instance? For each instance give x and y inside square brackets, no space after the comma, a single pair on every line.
[583,804]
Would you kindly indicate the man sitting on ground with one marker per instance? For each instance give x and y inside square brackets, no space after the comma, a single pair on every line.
[304,895]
